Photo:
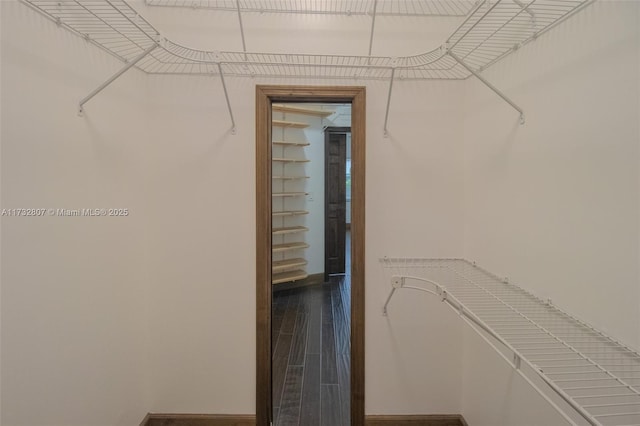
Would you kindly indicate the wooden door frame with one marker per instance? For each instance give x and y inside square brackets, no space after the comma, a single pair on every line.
[265,96]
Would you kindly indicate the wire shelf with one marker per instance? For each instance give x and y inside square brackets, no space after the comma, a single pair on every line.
[490,31]
[331,7]
[599,376]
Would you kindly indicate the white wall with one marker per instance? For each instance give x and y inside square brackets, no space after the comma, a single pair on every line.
[73,288]
[554,204]
[202,264]
[202,303]
[105,319]
[414,208]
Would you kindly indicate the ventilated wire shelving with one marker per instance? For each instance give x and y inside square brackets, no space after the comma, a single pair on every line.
[491,30]
[331,7]
[596,375]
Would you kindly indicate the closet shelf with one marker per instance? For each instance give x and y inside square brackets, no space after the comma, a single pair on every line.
[281,248]
[289,230]
[289,213]
[282,265]
[289,177]
[344,7]
[286,143]
[284,277]
[597,376]
[289,194]
[290,160]
[292,124]
[301,110]
[491,30]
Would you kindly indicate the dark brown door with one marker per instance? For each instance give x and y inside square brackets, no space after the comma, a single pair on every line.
[335,202]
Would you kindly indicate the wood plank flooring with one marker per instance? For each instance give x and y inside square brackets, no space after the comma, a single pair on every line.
[311,362]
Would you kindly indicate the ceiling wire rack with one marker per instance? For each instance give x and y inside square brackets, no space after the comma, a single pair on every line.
[491,30]
[595,375]
[330,7]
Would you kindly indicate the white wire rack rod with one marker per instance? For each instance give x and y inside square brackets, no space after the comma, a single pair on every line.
[608,395]
[595,387]
[456,305]
[533,358]
[386,114]
[473,12]
[226,97]
[542,348]
[526,8]
[126,68]
[636,413]
[545,353]
[619,404]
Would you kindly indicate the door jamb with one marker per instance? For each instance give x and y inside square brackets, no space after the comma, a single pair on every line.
[265,96]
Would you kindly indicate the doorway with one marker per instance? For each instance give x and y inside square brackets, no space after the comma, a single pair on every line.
[265,97]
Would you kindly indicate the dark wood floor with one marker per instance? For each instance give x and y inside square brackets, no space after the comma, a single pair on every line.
[311,361]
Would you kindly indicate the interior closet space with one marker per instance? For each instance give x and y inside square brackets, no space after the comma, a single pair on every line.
[501,134]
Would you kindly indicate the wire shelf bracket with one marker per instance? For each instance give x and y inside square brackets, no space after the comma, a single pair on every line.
[113,78]
[244,44]
[489,85]
[386,114]
[596,376]
[373,25]
[226,97]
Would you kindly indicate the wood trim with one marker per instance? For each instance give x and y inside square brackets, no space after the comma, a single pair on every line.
[358,161]
[265,95]
[263,257]
[199,420]
[416,420]
[250,420]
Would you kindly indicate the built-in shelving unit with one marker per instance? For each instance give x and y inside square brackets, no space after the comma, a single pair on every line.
[290,160]
[290,177]
[288,189]
[301,110]
[289,194]
[289,213]
[291,143]
[294,124]
[285,247]
[285,277]
[280,265]
[289,230]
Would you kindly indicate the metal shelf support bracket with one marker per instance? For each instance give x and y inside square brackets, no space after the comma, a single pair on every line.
[386,114]
[226,96]
[244,45]
[126,68]
[373,25]
[489,85]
